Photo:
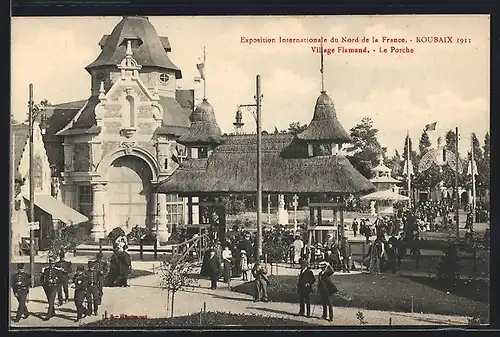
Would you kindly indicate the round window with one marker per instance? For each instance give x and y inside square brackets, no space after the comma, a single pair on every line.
[164,78]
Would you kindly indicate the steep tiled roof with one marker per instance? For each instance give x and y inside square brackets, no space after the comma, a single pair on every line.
[149,50]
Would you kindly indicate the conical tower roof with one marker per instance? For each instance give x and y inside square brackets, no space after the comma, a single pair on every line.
[150,50]
[325,126]
[204,129]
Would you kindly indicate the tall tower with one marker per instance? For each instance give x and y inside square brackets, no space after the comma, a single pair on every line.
[238,124]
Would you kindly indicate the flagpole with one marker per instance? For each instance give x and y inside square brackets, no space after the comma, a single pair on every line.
[321,69]
[457,203]
[473,172]
[408,178]
[204,73]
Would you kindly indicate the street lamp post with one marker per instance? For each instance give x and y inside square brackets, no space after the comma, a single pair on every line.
[32,115]
[257,116]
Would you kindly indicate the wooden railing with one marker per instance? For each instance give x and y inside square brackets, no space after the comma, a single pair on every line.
[197,244]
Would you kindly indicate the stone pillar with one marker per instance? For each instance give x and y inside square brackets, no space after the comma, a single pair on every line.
[196,211]
[98,231]
[163,230]
[320,222]
[69,196]
[153,210]
[282,213]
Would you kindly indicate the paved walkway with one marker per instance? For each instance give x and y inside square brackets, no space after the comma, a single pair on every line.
[145,297]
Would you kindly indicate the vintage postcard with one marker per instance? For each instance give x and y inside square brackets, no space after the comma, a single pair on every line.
[250,171]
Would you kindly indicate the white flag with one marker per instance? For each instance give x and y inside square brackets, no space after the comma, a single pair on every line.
[472,168]
[408,168]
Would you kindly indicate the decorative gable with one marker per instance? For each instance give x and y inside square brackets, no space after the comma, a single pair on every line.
[128,106]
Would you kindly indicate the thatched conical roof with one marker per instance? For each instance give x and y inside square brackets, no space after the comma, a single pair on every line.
[204,129]
[325,126]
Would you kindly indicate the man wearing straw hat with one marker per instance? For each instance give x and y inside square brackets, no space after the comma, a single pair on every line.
[326,289]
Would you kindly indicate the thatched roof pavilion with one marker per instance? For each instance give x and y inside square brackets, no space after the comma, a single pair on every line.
[309,163]
[286,169]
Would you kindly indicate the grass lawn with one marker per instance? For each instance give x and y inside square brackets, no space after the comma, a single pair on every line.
[389,292]
[40,266]
[199,319]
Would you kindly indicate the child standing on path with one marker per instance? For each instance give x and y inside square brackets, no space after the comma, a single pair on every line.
[244,265]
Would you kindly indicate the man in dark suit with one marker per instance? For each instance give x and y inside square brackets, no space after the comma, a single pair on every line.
[344,255]
[213,269]
[304,287]
[326,289]
[65,267]
[21,283]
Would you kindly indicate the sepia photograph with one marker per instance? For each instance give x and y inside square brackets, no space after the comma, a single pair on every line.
[249,171]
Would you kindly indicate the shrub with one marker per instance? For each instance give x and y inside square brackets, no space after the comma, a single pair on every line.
[116,233]
[201,319]
[69,237]
[234,206]
[135,235]
[449,266]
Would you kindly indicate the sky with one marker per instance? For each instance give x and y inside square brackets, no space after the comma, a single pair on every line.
[446,83]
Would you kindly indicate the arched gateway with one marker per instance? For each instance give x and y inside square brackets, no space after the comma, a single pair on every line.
[129,193]
[128,175]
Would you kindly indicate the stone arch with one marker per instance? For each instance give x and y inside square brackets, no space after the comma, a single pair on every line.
[107,161]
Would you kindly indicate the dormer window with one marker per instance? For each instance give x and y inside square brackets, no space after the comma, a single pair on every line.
[203,152]
[164,78]
[100,76]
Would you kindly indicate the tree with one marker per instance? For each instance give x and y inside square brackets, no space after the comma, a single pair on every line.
[451,141]
[413,154]
[365,148]
[295,128]
[175,276]
[395,164]
[234,205]
[486,158]
[37,107]
[276,252]
[424,144]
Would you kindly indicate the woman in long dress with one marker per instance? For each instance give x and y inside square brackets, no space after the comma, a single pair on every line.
[376,252]
[298,245]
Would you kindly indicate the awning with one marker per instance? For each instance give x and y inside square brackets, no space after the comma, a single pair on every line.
[58,209]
